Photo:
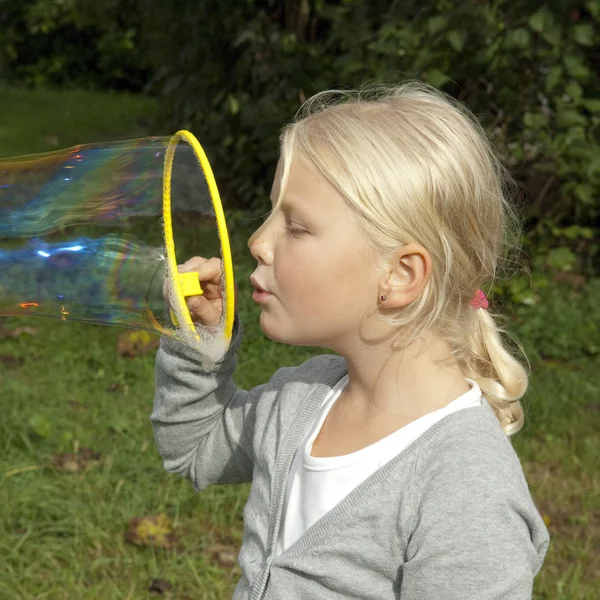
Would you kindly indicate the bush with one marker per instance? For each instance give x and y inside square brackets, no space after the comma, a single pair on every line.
[529,71]
[72,42]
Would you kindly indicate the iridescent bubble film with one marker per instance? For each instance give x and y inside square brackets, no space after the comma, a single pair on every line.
[81,231]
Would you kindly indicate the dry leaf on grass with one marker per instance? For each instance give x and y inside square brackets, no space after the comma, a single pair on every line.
[151,530]
[118,387]
[159,586]
[136,343]
[71,462]
[11,361]
[222,555]
[16,332]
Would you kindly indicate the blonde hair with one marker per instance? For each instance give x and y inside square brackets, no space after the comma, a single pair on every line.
[415,166]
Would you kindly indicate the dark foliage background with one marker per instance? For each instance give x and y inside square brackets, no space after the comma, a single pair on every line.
[234,71]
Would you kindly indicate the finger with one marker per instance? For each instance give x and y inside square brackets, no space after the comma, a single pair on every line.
[210,270]
[202,310]
[191,264]
[207,269]
[213,286]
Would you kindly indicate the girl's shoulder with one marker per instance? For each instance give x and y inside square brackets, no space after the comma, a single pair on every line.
[469,484]
[469,448]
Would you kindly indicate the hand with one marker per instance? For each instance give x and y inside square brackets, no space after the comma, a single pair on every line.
[206,308]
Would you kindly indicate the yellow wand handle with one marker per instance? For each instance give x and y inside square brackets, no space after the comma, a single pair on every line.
[190,286]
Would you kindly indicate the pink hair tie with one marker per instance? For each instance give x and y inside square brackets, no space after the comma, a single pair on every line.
[479,300]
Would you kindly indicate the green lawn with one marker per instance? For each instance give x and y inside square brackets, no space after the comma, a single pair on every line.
[64,387]
[42,120]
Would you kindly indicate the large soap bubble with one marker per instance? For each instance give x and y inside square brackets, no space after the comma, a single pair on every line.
[89,234]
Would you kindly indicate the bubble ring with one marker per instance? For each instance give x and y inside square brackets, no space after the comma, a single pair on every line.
[171,257]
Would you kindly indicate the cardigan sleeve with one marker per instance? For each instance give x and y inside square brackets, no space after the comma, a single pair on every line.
[477,533]
[203,425]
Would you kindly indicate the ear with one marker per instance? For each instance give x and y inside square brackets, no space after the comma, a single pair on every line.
[409,270]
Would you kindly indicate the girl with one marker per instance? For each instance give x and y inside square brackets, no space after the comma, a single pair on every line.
[386,470]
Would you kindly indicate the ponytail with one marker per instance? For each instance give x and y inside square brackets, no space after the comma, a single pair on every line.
[501,377]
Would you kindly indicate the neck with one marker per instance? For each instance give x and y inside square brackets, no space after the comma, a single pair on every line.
[405,384]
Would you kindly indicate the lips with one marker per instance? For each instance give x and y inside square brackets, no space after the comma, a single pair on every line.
[260,294]
[257,285]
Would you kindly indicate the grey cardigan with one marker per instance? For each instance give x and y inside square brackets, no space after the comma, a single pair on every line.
[450,518]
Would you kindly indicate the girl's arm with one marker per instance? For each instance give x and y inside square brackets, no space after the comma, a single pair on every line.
[203,426]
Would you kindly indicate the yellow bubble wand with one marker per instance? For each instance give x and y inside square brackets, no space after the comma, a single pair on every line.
[187,284]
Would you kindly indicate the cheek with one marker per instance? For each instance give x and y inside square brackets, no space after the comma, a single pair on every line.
[298,281]
[330,279]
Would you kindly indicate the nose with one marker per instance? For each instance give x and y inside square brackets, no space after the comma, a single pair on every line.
[260,246]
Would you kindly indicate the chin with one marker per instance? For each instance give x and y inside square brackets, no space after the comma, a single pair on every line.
[286,337]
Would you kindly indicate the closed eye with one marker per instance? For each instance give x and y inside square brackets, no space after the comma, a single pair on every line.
[295,232]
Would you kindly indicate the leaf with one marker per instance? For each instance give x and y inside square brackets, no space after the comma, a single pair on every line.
[246,36]
[436,78]
[457,39]
[574,91]
[233,104]
[40,425]
[540,19]
[584,34]
[561,258]
[70,462]
[17,332]
[573,232]
[136,343]
[151,530]
[519,38]
[591,104]
[552,34]
[535,120]
[554,77]
[224,556]
[12,361]
[575,67]
[593,166]
[584,193]
[436,24]
[569,118]
[159,586]
[594,7]
[118,386]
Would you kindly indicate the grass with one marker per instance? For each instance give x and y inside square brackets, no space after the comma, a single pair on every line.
[41,120]
[64,386]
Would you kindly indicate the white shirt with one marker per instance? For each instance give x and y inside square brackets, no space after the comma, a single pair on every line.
[316,484]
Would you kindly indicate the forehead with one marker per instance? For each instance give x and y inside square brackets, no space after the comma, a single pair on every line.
[304,187]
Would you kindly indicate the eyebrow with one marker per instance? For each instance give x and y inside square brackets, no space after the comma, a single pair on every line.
[290,201]
[301,211]
[285,206]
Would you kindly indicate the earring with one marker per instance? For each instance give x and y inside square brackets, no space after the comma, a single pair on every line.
[383,298]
